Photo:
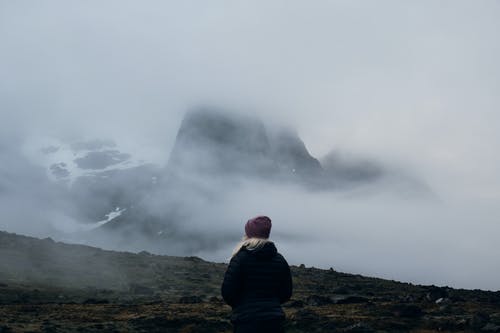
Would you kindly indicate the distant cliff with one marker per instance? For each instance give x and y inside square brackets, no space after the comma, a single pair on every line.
[213,142]
[214,153]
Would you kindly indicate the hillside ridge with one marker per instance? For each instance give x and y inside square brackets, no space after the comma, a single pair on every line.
[64,284]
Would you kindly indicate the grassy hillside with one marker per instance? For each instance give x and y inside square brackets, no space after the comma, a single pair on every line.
[46,286]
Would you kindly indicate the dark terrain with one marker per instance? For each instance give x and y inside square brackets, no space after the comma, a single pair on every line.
[46,286]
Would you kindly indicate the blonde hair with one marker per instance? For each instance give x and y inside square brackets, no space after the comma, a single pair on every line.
[250,244]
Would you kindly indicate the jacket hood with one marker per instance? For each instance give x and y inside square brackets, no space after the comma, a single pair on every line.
[268,250]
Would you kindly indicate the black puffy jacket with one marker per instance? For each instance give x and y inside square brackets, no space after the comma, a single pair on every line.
[256,283]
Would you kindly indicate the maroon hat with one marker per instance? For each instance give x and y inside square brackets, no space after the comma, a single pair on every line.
[258,227]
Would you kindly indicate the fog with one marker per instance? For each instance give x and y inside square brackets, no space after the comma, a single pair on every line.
[89,88]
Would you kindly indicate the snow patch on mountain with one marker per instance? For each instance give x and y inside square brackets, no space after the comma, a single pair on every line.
[65,162]
[110,216]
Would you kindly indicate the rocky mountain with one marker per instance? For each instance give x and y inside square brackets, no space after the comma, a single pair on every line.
[293,158]
[47,286]
[96,177]
[120,202]
[101,192]
[213,142]
[213,154]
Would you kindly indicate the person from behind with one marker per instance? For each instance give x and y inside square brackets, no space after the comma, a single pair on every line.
[257,281]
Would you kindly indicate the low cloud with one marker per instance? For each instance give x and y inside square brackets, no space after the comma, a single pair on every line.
[405,95]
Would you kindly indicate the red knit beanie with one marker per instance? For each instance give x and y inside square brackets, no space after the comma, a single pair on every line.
[258,227]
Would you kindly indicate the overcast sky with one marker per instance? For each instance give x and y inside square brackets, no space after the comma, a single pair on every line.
[411,83]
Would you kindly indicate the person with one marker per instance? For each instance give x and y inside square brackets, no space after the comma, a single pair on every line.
[257,281]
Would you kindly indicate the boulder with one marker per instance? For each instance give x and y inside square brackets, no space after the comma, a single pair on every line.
[342,290]
[434,293]
[479,319]
[407,310]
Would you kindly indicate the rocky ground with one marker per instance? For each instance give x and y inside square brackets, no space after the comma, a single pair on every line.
[47,286]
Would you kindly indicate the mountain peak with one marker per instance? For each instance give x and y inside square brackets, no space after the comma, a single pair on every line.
[213,141]
[211,127]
